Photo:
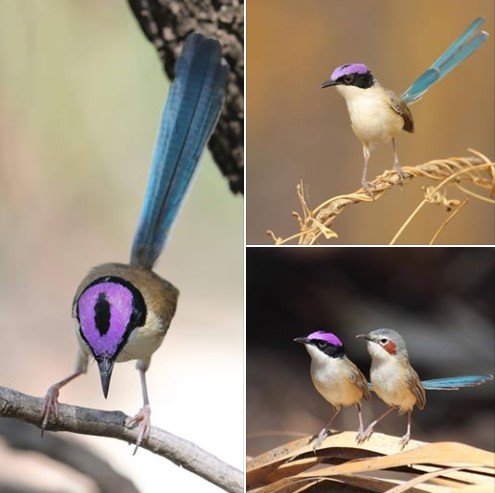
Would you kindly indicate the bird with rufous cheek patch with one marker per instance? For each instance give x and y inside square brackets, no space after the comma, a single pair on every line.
[390,347]
[396,382]
[393,378]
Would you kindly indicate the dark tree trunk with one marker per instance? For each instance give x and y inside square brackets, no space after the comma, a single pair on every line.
[166,24]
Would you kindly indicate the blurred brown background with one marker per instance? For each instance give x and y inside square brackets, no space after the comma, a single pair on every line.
[441,300]
[295,129]
[81,94]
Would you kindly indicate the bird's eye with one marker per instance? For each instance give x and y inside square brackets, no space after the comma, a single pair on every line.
[321,344]
[383,341]
[348,79]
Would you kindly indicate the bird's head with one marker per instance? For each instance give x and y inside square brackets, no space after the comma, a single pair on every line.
[107,311]
[322,343]
[385,344]
[350,78]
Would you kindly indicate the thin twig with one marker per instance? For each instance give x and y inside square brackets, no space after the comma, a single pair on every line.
[111,424]
[430,196]
[449,218]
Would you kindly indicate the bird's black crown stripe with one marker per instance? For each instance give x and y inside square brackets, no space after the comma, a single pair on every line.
[102,314]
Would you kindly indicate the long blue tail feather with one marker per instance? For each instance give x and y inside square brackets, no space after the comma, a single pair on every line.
[456,383]
[453,383]
[188,119]
[464,46]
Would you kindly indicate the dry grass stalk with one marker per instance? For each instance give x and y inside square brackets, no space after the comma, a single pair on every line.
[476,169]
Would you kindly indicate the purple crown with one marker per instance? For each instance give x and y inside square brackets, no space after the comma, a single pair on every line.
[350,68]
[321,335]
[104,311]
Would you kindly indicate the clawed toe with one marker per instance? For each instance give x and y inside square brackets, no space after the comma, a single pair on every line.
[368,187]
[400,174]
[312,439]
[404,440]
[362,436]
[143,419]
[50,406]
[318,439]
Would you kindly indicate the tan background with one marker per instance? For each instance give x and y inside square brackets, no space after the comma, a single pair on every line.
[81,93]
[295,129]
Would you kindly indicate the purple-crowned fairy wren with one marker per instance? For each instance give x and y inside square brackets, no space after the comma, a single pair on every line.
[335,376]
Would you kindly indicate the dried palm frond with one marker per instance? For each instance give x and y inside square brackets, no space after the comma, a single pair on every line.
[378,465]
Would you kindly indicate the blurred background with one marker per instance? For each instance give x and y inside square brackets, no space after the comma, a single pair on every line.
[441,300]
[297,130]
[81,93]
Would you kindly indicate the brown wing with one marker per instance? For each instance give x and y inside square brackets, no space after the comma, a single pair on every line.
[359,379]
[417,389]
[403,110]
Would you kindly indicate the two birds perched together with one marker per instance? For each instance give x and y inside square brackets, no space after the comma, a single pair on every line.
[393,379]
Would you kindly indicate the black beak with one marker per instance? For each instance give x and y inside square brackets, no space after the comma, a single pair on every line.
[328,83]
[106,366]
[302,340]
[364,336]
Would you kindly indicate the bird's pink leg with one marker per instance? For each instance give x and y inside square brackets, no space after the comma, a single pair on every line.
[324,432]
[50,402]
[405,439]
[365,183]
[362,437]
[143,415]
[360,416]
[397,167]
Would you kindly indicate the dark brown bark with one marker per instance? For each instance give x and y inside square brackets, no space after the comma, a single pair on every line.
[166,24]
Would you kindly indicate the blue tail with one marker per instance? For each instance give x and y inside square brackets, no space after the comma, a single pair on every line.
[456,383]
[465,45]
[189,117]
[453,383]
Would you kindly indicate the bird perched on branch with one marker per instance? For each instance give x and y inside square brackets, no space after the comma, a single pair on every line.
[377,114]
[396,383]
[123,311]
[335,376]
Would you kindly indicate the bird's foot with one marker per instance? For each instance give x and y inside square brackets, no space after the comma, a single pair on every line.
[362,436]
[318,440]
[143,418]
[400,173]
[312,439]
[368,187]
[404,440]
[50,406]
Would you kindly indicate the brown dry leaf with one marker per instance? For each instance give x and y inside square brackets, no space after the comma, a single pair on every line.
[421,467]
[477,489]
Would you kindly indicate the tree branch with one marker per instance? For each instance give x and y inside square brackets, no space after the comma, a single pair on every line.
[111,424]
